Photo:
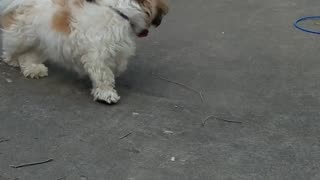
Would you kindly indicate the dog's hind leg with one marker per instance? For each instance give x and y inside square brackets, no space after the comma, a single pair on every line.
[10,59]
[31,65]
[15,44]
[9,49]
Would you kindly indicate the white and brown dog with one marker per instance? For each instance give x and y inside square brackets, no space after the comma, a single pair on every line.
[92,37]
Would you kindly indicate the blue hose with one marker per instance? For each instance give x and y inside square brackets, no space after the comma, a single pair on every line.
[296,24]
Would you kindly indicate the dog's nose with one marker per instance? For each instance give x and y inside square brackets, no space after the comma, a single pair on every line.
[157,21]
[144,33]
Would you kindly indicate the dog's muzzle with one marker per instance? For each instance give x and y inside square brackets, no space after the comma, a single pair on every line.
[157,21]
[143,33]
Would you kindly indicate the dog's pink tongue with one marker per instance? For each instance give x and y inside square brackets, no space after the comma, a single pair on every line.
[143,33]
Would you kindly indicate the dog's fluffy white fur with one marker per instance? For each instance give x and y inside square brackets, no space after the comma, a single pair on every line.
[92,37]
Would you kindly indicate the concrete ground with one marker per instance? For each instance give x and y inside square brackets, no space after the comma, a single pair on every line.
[251,65]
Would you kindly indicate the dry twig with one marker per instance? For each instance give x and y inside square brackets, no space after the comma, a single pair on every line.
[204,121]
[230,121]
[182,85]
[31,164]
[62,178]
[4,140]
[122,137]
[201,97]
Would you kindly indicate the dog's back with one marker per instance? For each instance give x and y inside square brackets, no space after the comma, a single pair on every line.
[9,5]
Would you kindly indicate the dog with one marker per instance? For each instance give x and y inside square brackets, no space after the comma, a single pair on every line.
[92,37]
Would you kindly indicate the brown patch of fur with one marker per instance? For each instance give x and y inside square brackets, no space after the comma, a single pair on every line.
[163,6]
[61,19]
[8,20]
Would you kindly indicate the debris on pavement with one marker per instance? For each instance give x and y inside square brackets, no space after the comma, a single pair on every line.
[133,150]
[62,178]
[122,137]
[83,178]
[4,140]
[173,159]
[168,132]
[182,85]
[219,119]
[9,80]
[31,164]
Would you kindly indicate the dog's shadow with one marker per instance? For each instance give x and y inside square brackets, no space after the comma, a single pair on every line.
[68,77]
[71,79]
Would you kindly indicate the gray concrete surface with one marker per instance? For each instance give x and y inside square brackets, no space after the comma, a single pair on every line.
[245,56]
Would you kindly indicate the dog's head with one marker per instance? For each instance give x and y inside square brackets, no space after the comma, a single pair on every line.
[154,11]
[142,14]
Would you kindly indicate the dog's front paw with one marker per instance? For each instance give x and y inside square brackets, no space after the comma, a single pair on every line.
[35,71]
[108,95]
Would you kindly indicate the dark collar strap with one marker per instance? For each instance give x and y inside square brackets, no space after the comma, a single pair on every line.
[120,14]
[116,10]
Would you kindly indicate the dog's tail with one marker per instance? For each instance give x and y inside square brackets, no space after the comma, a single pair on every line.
[9,5]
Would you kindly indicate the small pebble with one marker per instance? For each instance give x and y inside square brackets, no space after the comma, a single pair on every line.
[173,159]
[8,80]
[83,178]
[168,132]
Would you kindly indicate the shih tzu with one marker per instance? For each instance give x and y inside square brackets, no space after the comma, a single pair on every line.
[92,37]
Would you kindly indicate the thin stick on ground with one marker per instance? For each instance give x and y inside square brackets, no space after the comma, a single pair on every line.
[201,96]
[122,137]
[204,121]
[230,121]
[4,140]
[182,85]
[64,177]
[31,164]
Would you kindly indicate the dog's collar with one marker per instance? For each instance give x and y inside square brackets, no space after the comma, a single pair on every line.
[121,14]
[118,12]
[143,33]
[115,10]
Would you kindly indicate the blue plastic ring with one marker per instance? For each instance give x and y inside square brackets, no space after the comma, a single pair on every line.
[304,19]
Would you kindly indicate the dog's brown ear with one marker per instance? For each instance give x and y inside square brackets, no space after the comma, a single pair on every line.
[155,9]
[162,8]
